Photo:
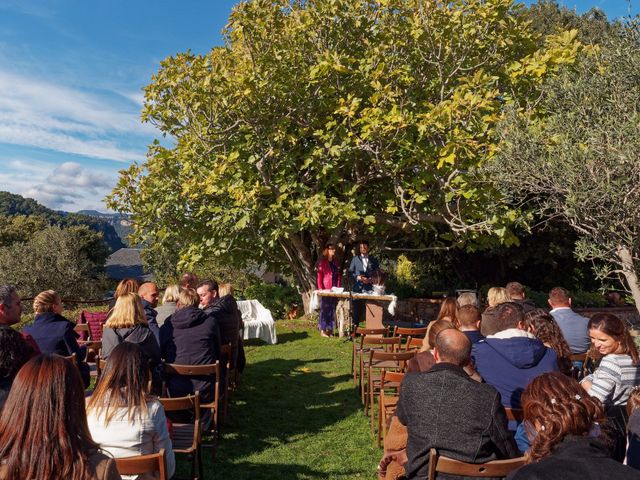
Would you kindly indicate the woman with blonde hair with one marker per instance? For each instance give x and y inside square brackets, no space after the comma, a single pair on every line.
[128,323]
[169,301]
[53,333]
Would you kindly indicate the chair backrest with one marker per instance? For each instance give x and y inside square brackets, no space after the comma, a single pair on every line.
[72,358]
[516,414]
[226,351]
[578,357]
[385,342]
[190,403]
[414,343]
[371,331]
[400,357]
[154,462]
[410,332]
[192,370]
[96,321]
[395,377]
[496,468]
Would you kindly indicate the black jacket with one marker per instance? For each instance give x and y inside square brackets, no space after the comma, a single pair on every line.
[227,316]
[463,419]
[576,458]
[151,315]
[55,334]
[190,337]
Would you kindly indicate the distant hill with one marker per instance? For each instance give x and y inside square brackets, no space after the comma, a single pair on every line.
[12,204]
[121,223]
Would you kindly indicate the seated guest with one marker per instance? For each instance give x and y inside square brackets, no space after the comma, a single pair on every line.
[54,333]
[168,306]
[545,328]
[616,375]
[495,296]
[126,285]
[467,298]
[128,323]
[190,337]
[633,428]
[43,426]
[515,290]
[424,360]
[123,418]
[10,311]
[448,311]
[432,402]
[189,280]
[566,438]
[230,331]
[573,325]
[512,357]
[149,294]
[14,352]
[469,319]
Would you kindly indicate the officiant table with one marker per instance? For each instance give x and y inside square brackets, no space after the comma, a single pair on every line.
[374,306]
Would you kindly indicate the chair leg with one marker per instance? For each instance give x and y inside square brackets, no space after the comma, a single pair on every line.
[193,465]
[200,469]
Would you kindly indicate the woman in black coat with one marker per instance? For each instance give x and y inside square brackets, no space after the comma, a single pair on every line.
[567,441]
[54,333]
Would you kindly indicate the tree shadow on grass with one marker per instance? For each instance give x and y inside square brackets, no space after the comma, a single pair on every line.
[291,337]
[279,402]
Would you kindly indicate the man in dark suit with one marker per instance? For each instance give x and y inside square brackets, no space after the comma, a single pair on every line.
[361,269]
[443,408]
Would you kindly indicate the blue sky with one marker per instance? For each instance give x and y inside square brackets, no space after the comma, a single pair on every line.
[71,79]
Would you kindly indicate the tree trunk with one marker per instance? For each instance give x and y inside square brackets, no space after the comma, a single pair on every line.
[629,272]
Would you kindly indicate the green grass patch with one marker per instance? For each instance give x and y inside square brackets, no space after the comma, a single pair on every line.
[296,414]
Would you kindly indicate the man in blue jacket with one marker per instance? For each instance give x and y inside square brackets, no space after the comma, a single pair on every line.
[361,270]
[512,357]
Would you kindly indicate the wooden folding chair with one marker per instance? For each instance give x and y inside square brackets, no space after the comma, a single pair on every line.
[212,370]
[414,344]
[226,352]
[358,339]
[186,437]
[514,414]
[388,400]
[382,361]
[371,344]
[449,466]
[151,463]
[410,332]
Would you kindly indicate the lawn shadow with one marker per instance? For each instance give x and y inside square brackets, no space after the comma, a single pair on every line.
[279,402]
[291,337]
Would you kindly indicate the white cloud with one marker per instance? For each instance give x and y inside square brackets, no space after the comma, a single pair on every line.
[67,186]
[41,114]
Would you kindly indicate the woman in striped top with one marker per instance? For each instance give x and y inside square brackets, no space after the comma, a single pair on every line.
[618,372]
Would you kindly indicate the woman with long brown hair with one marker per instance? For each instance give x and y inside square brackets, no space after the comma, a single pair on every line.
[123,417]
[327,278]
[566,439]
[43,426]
[617,374]
[447,311]
[546,329]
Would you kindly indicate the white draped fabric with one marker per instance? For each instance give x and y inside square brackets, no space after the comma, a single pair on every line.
[258,321]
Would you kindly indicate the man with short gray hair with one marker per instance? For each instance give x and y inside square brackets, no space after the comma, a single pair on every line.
[473,428]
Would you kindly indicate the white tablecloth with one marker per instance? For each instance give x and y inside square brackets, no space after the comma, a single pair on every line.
[258,321]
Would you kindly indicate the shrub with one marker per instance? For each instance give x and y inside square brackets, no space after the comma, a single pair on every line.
[276,297]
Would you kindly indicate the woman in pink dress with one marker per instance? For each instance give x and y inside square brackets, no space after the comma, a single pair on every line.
[328,277]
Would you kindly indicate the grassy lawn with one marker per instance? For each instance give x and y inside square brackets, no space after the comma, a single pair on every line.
[296,414]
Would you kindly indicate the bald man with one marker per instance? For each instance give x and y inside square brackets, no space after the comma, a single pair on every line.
[148,291]
[445,409]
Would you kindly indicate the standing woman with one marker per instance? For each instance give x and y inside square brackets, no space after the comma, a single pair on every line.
[43,426]
[328,277]
[617,373]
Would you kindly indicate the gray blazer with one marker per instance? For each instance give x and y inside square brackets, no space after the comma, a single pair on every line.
[574,329]
[461,418]
[357,268]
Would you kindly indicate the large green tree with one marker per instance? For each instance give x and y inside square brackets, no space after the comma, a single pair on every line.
[580,159]
[327,119]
